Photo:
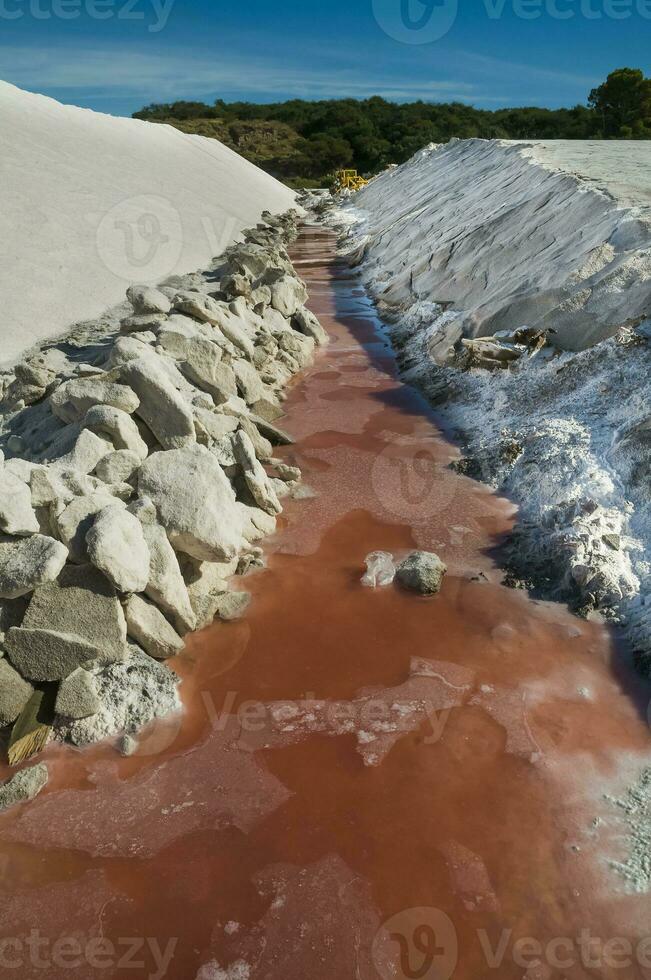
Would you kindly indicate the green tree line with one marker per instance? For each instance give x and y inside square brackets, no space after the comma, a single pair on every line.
[302,142]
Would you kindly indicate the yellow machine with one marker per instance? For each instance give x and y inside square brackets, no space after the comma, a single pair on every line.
[349,180]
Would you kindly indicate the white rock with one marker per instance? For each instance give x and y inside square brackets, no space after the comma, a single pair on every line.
[147,299]
[116,545]
[165,586]
[194,501]
[71,400]
[256,479]
[119,427]
[203,366]
[74,522]
[287,295]
[85,454]
[147,625]
[118,467]
[248,381]
[161,406]
[16,512]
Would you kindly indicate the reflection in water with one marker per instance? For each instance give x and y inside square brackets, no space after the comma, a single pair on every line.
[364,783]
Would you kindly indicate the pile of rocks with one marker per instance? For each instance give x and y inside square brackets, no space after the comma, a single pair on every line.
[502,349]
[137,483]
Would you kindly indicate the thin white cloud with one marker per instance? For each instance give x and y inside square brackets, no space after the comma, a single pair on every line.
[118,72]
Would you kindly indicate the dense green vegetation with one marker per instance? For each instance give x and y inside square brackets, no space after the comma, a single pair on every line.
[301,142]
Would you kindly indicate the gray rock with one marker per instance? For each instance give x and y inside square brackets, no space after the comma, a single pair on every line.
[29,562]
[204,367]
[255,477]
[194,501]
[267,408]
[161,406]
[45,655]
[232,605]
[24,786]
[147,299]
[77,695]
[118,426]
[236,285]
[148,627]
[256,523]
[16,512]
[307,323]
[208,310]
[15,692]
[166,587]
[277,436]
[116,545]
[249,382]
[301,348]
[263,448]
[127,349]
[289,474]
[201,307]
[287,295]
[74,522]
[81,601]
[127,746]
[117,467]
[261,297]
[72,399]
[422,571]
[146,325]
[212,427]
[131,693]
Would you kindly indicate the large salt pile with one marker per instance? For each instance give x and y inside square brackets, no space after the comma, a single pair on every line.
[517,281]
[90,203]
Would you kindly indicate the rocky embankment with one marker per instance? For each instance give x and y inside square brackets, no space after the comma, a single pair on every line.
[138,477]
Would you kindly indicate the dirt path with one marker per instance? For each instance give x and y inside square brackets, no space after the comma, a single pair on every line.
[364,783]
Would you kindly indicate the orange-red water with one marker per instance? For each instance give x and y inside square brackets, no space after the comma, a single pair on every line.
[430,785]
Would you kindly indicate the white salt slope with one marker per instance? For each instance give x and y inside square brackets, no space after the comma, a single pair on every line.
[513,219]
[90,203]
[504,234]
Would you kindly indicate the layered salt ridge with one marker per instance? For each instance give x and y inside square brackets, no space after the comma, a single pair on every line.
[485,238]
[90,203]
[496,234]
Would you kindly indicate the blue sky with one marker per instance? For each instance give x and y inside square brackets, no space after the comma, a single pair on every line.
[117,55]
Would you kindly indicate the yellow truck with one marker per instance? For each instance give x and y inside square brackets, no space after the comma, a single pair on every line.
[348,180]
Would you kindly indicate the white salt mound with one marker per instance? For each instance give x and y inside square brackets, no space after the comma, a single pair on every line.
[90,203]
[503,234]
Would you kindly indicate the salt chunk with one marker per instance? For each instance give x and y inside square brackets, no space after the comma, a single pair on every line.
[380,569]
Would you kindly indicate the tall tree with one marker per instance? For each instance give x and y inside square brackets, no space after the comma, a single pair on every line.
[624,104]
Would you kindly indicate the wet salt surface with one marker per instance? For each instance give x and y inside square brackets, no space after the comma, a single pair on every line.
[364,783]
